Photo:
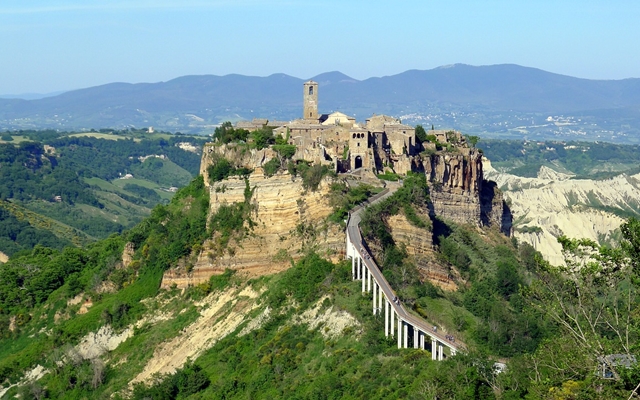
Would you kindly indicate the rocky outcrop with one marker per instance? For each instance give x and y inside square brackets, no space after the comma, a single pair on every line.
[419,245]
[287,219]
[127,254]
[460,193]
[459,172]
[238,154]
[418,241]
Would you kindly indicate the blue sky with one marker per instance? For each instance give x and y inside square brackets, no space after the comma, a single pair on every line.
[52,45]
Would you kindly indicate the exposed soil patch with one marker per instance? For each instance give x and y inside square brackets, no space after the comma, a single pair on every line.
[223,314]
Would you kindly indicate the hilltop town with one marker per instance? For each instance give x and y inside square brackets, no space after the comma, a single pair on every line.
[288,217]
[380,144]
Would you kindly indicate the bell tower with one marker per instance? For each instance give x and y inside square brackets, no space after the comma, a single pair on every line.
[310,101]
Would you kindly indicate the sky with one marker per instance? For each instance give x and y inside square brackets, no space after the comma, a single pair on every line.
[56,45]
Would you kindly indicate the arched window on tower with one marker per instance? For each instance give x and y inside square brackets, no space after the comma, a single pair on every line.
[310,90]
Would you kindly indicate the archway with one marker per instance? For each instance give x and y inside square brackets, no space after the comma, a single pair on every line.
[358,162]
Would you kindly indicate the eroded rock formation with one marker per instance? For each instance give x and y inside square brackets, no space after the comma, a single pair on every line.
[460,193]
[286,219]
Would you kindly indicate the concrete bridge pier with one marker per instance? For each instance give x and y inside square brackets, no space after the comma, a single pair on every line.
[364,278]
[393,317]
[406,335]
[434,349]
[374,298]
[368,280]
[440,352]
[416,333]
[399,332]
[353,268]
[386,318]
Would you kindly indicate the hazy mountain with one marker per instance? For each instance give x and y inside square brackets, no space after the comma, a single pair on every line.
[478,95]
[30,96]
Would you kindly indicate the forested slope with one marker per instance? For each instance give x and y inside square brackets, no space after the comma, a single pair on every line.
[263,340]
[76,180]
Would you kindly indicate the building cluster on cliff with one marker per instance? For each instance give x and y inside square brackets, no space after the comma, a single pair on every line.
[336,139]
[383,144]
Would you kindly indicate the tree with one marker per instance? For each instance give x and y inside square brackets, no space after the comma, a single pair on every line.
[473,140]
[421,135]
[594,298]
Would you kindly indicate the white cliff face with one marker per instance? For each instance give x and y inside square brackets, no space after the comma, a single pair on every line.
[558,205]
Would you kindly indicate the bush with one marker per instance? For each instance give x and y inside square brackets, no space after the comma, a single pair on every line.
[285,151]
[302,281]
[312,175]
[271,167]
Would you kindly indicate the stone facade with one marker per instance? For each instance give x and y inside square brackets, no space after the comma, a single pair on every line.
[375,146]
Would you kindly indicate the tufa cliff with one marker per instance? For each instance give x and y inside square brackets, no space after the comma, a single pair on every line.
[460,193]
[282,218]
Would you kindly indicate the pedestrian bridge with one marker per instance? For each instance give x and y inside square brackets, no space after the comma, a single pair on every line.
[411,330]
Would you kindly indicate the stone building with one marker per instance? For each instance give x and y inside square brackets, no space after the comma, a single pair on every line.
[379,144]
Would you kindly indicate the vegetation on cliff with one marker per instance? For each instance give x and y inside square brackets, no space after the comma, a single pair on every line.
[46,276]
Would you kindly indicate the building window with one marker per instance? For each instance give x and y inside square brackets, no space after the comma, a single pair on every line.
[358,144]
[311,114]
[310,90]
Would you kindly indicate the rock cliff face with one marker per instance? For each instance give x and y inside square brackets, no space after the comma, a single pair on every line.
[238,155]
[287,220]
[460,193]
[419,245]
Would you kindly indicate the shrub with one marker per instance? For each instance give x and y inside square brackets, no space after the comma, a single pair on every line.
[271,167]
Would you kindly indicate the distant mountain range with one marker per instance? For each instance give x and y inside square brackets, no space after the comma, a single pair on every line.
[498,100]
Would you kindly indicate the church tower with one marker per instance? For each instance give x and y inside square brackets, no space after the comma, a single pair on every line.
[310,104]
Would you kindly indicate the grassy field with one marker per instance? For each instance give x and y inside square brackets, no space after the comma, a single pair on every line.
[16,139]
[166,195]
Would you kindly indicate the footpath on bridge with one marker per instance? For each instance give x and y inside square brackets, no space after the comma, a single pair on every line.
[362,263]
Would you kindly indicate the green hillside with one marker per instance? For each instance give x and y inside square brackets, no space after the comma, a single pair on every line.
[508,308]
[585,160]
[75,179]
